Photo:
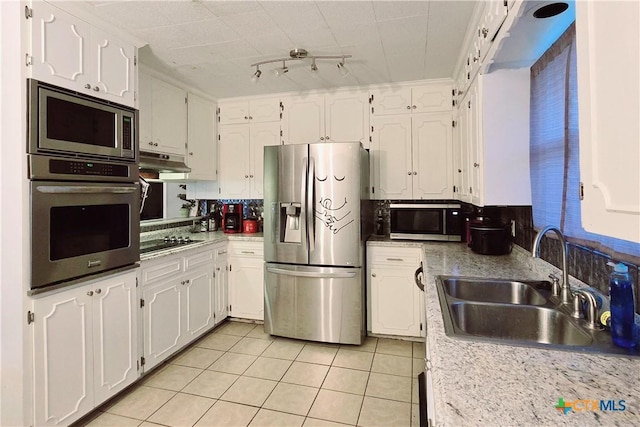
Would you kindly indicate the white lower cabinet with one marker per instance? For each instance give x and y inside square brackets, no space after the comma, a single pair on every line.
[220,284]
[246,280]
[85,347]
[396,305]
[177,302]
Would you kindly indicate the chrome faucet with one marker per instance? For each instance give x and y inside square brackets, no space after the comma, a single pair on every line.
[592,307]
[565,289]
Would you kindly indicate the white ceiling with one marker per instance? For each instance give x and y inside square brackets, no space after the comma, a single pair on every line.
[211,44]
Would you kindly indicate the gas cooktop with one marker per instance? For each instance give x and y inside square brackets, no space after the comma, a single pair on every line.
[166,243]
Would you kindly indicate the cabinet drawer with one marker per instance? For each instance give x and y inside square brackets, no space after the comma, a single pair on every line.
[395,256]
[246,249]
[163,270]
[198,259]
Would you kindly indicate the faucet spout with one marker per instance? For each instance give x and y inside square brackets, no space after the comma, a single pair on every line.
[565,289]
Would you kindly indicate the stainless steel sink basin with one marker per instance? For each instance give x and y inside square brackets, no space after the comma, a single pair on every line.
[517,323]
[517,312]
[496,290]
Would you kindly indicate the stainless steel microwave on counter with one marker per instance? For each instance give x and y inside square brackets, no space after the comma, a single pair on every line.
[423,221]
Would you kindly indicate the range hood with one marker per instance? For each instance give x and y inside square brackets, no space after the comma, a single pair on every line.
[162,162]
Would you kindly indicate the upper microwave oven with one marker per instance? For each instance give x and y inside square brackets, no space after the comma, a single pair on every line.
[66,123]
[441,221]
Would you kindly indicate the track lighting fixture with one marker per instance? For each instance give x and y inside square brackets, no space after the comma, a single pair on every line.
[256,76]
[297,55]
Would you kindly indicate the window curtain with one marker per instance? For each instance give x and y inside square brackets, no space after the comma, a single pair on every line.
[554,150]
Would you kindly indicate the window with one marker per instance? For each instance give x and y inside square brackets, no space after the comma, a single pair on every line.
[555,161]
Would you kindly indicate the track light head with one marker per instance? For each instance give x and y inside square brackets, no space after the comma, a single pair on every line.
[255,78]
[344,72]
[314,69]
[280,71]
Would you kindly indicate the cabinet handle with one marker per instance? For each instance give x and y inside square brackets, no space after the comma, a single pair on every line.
[90,293]
[250,117]
[327,137]
[413,106]
[191,153]
[485,32]
[188,281]
[415,173]
[222,252]
[250,176]
[96,89]
[246,117]
[247,252]
[322,138]
[373,274]
[87,86]
[459,170]
[217,268]
[151,143]
[98,291]
[408,107]
[246,176]
[395,259]
[476,165]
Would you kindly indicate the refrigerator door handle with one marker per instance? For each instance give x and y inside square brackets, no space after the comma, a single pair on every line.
[338,275]
[311,228]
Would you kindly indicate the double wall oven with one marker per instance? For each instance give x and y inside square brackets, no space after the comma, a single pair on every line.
[85,196]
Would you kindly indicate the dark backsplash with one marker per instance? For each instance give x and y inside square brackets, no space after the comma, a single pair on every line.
[585,264]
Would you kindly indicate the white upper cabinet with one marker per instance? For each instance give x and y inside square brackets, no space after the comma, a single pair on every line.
[608,58]
[70,53]
[253,111]
[201,142]
[336,117]
[494,140]
[494,15]
[412,157]
[427,98]
[241,158]
[163,116]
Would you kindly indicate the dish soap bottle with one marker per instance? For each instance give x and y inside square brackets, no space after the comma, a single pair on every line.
[622,306]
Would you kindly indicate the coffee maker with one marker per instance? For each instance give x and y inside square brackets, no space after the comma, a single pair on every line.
[232,218]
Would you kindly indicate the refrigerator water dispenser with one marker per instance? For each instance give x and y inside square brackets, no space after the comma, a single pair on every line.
[290,215]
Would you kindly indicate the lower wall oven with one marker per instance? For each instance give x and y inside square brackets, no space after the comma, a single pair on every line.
[81,228]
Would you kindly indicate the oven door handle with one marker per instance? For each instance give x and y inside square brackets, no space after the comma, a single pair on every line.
[79,189]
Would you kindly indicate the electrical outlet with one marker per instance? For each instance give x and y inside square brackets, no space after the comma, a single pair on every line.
[513,228]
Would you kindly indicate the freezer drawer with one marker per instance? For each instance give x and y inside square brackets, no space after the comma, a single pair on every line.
[314,303]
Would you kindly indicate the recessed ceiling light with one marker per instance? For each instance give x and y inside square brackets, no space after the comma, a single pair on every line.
[550,10]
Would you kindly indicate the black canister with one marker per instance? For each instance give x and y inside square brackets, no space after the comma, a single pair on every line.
[491,238]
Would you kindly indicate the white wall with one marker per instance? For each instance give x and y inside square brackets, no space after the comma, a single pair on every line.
[14,217]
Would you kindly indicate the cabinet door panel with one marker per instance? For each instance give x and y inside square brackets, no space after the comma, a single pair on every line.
[114,67]
[391,101]
[395,304]
[234,147]
[391,158]
[63,372]
[262,135]
[59,47]
[202,155]
[432,152]
[347,117]
[163,319]
[246,288]
[264,110]
[221,285]
[431,98]
[169,117]
[234,112]
[115,335]
[303,120]
[608,58]
[199,302]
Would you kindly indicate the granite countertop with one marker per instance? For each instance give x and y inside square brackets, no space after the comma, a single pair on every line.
[208,238]
[480,383]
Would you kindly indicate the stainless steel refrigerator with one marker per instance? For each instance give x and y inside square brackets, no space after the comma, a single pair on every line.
[315,197]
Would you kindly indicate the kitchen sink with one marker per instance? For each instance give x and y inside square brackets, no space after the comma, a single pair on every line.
[517,312]
[497,290]
[512,322]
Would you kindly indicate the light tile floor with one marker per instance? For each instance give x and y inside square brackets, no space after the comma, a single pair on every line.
[239,376]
